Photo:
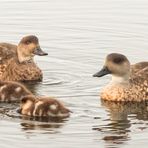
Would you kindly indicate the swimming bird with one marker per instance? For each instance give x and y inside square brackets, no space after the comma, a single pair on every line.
[12,91]
[124,86]
[42,107]
[16,61]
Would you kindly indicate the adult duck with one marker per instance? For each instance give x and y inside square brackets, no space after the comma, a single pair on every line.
[124,86]
[16,61]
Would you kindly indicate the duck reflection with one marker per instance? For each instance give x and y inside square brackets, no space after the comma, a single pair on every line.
[32,123]
[120,111]
[42,124]
[121,118]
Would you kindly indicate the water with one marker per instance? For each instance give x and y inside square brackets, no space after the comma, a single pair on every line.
[77,34]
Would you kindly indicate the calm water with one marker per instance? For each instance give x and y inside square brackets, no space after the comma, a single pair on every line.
[77,34]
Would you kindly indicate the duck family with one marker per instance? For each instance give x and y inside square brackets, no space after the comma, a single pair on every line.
[17,64]
[128,83]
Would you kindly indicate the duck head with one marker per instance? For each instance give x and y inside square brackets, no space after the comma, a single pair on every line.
[117,65]
[28,47]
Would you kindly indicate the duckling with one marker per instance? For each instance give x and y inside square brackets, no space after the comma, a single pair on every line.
[12,91]
[16,61]
[123,87]
[42,107]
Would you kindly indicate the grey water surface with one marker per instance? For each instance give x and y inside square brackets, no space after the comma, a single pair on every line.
[77,34]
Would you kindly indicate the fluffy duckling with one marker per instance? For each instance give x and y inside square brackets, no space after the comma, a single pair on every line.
[43,107]
[12,91]
[123,87]
[16,61]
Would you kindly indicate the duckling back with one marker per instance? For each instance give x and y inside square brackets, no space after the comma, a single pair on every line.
[12,91]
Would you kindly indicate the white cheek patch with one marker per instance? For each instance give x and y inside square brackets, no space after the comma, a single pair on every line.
[18,89]
[53,107]
[3,87]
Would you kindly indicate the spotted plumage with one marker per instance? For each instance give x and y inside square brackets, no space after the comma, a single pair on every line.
[16,62]
[128,83]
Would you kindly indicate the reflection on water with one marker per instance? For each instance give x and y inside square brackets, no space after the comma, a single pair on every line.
[44,124]
[122,117]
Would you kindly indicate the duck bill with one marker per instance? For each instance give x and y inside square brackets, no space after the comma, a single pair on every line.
[40,52]
[104,71]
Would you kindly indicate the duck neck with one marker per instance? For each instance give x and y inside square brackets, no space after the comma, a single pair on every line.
[22,57]
[120,79]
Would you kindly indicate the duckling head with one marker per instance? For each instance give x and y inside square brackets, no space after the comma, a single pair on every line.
[118,66]
[28,47]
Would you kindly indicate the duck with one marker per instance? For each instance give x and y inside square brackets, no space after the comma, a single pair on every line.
[11,91]
[42,106]
[16,61]
[124,86]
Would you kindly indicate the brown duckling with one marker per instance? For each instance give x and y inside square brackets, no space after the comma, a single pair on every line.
[16,61]
[43,107]
[123,86]
[12,91]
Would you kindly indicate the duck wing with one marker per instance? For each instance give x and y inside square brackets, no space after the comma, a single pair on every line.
[140,79]
[7,51]
[135,68]
[9,46]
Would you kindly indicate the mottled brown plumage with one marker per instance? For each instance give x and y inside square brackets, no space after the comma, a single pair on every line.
[43,107]
[12,91]
[124,86]
[138,67]
[16,62]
